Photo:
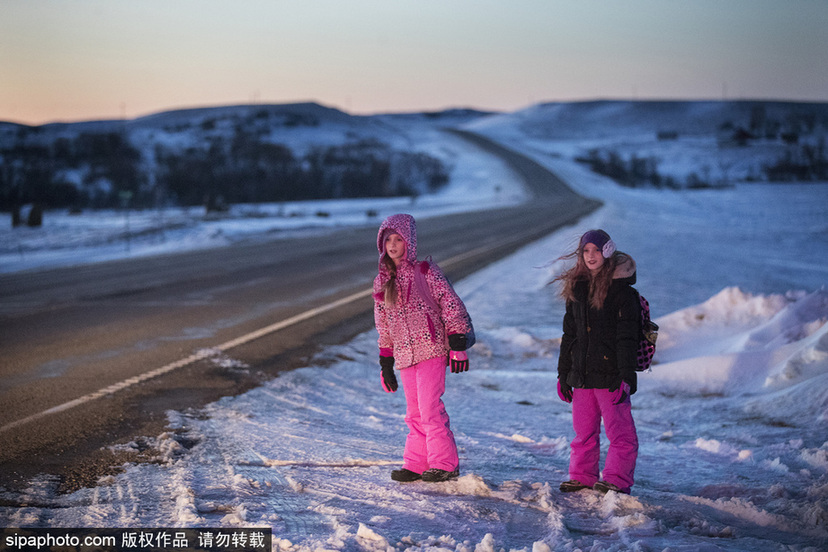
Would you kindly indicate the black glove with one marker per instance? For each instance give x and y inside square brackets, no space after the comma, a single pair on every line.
[459,361]
[564,391]
[620,392]
[389,379]
[457,342]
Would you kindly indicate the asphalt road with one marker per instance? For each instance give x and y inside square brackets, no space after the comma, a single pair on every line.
[95,355]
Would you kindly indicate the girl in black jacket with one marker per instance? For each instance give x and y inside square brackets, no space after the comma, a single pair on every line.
[597,363]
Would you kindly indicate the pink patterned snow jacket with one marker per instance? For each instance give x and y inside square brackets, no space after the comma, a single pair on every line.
[410,330]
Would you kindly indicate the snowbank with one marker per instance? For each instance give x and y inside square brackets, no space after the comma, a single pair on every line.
[737,343]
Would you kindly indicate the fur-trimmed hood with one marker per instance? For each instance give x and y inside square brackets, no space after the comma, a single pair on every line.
[625,269]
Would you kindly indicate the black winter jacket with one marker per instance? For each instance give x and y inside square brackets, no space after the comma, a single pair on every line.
[599,348]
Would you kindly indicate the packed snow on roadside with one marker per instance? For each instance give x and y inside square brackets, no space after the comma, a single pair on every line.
[731,420]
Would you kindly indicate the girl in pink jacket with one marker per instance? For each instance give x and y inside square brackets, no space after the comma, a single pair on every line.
[422,326]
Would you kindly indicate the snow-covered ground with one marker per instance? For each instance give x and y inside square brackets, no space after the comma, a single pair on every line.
[732,419]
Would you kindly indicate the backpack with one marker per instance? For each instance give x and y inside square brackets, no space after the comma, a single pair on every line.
[424,292]
[647,337]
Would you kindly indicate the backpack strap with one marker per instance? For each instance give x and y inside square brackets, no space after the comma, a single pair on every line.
[421,284]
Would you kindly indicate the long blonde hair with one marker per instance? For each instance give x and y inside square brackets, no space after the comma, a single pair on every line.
[389,288]
[599,283]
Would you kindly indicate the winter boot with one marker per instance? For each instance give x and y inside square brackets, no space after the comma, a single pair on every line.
[435,476]
[605,487]
[405,475]
[573,485]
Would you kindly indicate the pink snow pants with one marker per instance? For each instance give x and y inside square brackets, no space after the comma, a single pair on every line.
[588,407]
[430,442]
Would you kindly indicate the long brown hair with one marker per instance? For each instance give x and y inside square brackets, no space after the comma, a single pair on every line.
[599,283]
[390,287]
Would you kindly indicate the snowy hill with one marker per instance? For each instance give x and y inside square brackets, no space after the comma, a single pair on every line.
[606,118]
[221,155]
[300,125]
[66,237]
[701,143]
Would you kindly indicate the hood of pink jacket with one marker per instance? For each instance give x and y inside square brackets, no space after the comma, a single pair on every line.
[406,227]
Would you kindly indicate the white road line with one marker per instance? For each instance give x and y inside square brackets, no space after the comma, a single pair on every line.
[205,353]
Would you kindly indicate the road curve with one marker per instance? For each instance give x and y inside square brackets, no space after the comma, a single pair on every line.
[73,333]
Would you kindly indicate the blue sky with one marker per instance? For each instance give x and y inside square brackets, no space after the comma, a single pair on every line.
[90,59]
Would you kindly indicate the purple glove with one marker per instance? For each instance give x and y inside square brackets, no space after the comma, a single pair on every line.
[389,379]
[459,361]
[564,392]
[621,393]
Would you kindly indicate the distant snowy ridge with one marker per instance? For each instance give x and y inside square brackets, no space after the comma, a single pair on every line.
[677,144]
[606,118]
[223,155]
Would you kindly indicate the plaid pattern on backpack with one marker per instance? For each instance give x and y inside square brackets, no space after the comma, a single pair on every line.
[647,337]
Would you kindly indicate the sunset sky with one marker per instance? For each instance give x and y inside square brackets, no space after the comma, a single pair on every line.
[101,59]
